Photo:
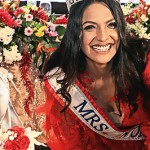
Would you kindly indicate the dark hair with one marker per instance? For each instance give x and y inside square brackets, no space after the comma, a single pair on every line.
[128,63]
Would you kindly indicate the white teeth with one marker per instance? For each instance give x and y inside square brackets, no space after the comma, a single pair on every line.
[101,48]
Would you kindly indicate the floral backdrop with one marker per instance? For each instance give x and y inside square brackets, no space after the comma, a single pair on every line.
[27,36]
[30,26]
[138,18]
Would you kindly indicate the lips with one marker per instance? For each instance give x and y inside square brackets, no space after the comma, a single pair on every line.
[101,48]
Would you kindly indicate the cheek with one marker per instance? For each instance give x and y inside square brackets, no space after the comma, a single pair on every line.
[116,39]
[87,39]
[85,46]
[118,43]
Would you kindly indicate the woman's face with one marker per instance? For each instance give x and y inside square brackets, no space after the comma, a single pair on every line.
[100,36]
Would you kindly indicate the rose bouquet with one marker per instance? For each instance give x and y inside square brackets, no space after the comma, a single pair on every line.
[18,138]
[138,18]
[28,26]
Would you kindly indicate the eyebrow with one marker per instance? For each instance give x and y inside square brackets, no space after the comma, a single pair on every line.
[96,23]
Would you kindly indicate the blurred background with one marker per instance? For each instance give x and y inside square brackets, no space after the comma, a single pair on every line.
[59,6]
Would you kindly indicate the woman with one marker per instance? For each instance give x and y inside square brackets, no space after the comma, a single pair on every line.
[97,83]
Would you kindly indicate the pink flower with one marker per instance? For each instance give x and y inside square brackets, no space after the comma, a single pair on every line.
[29,17]
[52,27]
[19,22]
[51,33]
[28,31]
[51,30]
[47,30]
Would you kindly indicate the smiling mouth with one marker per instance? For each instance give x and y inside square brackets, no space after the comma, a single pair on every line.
[101,48]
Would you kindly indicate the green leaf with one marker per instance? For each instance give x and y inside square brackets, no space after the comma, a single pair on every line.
[39,61]
[61,30]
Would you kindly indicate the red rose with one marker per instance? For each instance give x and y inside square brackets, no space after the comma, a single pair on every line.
[10,145]
[23,142]
[18,130]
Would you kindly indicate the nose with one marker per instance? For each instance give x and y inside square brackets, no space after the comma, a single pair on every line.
[101,34]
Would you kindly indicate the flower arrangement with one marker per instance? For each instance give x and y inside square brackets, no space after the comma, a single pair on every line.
[138,18]
[28,26]
[17,138]
[28,35]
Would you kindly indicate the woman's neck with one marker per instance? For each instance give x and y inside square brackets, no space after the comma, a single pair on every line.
[99,71]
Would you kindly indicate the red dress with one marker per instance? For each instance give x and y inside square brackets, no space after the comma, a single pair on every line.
[65,131]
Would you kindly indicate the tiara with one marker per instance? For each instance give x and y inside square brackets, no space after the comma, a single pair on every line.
[71,2]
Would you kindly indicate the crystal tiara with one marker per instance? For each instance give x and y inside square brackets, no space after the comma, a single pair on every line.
[71,2]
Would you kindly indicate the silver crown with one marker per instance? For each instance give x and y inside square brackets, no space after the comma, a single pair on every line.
[71,2]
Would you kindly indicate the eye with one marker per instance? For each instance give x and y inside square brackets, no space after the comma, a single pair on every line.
[89,28]
[112,25]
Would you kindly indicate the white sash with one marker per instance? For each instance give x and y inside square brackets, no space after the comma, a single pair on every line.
[86,112]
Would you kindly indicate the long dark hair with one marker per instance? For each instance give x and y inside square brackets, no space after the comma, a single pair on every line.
[128,63]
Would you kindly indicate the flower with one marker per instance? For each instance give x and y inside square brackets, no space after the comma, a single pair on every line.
[18,138]
[12,54]
[31,26]
[138,18]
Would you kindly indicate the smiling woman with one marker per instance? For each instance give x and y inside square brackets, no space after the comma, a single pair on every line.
[97,82]
[100,36]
